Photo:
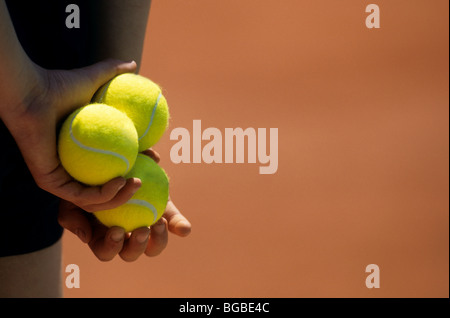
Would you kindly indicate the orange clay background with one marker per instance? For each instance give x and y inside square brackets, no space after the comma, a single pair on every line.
[363,176]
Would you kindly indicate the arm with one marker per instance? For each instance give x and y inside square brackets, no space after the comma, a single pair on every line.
[33,101]
[30,108]
[15,66]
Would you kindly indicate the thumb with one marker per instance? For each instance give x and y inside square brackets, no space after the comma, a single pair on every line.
[101,72]
[79,85]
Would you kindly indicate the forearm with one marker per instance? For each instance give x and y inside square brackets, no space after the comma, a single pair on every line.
[118,29]
[17,72]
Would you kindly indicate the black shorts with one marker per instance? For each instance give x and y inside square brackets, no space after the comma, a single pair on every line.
[28,214]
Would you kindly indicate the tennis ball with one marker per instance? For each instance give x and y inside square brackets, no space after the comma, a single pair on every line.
[142,100]
[97,143]
[147,205]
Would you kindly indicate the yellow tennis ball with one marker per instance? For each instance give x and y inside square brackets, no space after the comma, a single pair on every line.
[142,100]
[147,205]
[97,143]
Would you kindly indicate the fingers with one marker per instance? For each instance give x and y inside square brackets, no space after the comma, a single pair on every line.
[112,194]
[144,240]
[178,224]
[74,219]
[152,154]
[159,237]
[107,243]
[135,245]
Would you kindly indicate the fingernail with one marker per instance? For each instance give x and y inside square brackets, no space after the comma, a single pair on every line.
[124,182]
[184,228]
[143,236]
[136,188]
[81,234]
[183,224]
[117,235]
[159,227]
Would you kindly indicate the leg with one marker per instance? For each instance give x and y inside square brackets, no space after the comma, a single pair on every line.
[36,274]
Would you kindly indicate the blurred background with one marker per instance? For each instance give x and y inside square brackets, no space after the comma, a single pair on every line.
[363,174]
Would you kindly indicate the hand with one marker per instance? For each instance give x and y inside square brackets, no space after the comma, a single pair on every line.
[106,243]
[33,115]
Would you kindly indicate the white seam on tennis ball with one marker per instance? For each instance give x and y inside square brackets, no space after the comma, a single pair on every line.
[105,152]
[151,117]
[144,204]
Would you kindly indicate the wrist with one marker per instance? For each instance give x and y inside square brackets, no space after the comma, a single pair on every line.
[20,92]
